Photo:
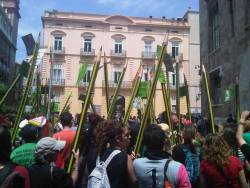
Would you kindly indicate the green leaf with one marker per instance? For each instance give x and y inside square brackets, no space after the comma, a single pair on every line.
[82,72]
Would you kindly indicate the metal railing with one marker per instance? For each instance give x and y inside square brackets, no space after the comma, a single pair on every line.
[114,53]
[148,55]
[58,82]
[57,50]
[113,84]
[83,84]
[87,53]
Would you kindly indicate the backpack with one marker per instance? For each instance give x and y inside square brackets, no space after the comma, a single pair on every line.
[192,164]
[18,178]
[166,182]
[99,177]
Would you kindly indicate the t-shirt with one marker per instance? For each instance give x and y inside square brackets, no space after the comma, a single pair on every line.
[116,170]
[146,169]
[67,135]
[41,177]
[215,178]
[245,148]
[246,137]
[24,154]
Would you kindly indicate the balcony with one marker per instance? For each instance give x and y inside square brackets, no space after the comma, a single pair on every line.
[87,53]
[148,55]
[58,51]
[58,82]
[83,84]
[121,54]
[112,84]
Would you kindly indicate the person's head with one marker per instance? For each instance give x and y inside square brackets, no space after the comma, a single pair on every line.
[111,134]
[229,134]
[29,133]
[5,144]
[174,118]
[47,149]
[216,150]
[154,137]
[94,119]
[66,119]
[189,133]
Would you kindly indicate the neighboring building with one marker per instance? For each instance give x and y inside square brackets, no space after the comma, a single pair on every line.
[225,52]
[9,17]
[75,38]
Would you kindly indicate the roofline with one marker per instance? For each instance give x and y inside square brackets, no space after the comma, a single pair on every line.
[192,12]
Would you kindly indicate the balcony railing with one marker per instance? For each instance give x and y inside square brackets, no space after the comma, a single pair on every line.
[113,84]
[58,50]
[121,54]
[58,82]
[148,55]
[87,53]
[83,84]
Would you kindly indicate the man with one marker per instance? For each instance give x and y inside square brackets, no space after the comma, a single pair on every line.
[43,172]
[68,135]
[24,154]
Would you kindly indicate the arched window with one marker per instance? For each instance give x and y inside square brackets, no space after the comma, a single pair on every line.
[87,41]
[58,39]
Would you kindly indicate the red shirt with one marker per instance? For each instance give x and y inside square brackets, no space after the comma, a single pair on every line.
[214,178]
[67,135]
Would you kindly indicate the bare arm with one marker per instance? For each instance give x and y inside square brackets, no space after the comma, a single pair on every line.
[131,172]
[242,178]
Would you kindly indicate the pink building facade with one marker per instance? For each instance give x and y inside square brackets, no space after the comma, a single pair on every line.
[73,39]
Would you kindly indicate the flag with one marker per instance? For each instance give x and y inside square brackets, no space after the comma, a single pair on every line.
[29,43]
[162,78]
[143,90]
[167,60]
[183,91]
[24,69]
[82,72]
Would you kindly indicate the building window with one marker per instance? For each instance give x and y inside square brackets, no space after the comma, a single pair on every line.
[175,49]
[87,44]
[117,75]
[86,78]
[58,74]
[215,85]
[118,46]
[173,79]
[214,26]
[145,73]
[148,49]
[58,43]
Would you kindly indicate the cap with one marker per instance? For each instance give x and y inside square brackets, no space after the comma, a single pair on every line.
[47,145]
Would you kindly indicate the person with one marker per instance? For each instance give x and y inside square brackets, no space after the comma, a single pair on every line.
[109,137]
[43,173]
[24,154]
[189,154]
[150,170]
[68,135]
[244,147]
[219,168]
[9,172]
[86,144]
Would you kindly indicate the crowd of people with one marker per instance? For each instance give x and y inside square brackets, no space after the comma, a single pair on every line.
[105,157]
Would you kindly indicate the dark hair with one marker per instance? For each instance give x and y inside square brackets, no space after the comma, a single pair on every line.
[229,134]
[5,144]
[29,134]
[188,136]
[154,137]
[66,118]
[106,134]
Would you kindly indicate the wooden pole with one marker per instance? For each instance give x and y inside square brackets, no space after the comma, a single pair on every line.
[187,98]
[106,82]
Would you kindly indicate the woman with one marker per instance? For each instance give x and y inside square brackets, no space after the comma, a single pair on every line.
[110,136]
[189,154]
[219,168]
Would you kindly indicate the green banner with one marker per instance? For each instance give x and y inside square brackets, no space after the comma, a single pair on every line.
[143,90]
[82,72]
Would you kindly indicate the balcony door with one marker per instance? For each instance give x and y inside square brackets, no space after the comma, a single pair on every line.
[148,49]
[118,46]
[58,42]
[58,74]
[87,45]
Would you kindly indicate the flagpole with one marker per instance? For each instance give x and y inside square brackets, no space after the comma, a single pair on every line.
[178,92]
[149,103]
[113,102]
[133,95]
[85,109]
[10,89]
[26,91]
[106,82]
[66,103]
[208,98]
[187,98]
[237,101]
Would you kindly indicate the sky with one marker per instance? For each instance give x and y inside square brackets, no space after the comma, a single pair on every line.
[32,10]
